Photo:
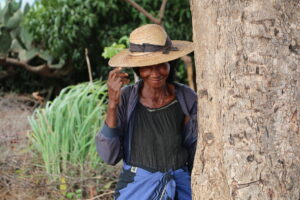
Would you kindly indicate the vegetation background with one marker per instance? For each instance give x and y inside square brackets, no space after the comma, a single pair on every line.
[62,29]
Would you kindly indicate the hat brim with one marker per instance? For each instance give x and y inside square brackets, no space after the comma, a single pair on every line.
[125,59]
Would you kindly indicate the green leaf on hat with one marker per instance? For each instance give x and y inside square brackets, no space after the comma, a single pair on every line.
[112,50]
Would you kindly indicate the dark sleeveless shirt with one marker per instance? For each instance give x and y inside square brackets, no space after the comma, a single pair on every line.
[157,142]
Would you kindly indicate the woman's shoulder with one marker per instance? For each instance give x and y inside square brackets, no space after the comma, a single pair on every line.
[130,92]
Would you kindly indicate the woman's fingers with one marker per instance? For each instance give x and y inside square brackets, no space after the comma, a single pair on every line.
[113,74]
[122,75]
[118,83]
[116,80]
[116,70]
[116,73]
[125,81]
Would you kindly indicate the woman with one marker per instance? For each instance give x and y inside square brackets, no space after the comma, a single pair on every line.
[151,125]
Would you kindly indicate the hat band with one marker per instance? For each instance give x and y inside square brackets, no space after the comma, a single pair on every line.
[146,47]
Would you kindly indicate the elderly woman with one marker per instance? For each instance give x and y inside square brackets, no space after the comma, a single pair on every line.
[151,125]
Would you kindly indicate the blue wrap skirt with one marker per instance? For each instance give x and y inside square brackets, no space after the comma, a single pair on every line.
[139,184]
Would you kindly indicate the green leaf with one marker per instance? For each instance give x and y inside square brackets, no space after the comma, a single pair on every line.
[5,14]
[5,41]
[108,185]
[46,56]
[26,8]
[124,40]
[26,38]
[58,65]
[26,55]
[112,50]
[15,32]
[70,195]
[15,46]
[14,21]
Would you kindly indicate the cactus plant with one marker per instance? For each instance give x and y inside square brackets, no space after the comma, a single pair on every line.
[15,38]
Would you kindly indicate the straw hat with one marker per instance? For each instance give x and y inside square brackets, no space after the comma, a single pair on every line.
[150,45]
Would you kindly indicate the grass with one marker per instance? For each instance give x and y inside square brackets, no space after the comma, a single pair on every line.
[64,131]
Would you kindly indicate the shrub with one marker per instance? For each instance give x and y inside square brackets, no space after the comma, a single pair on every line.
[64,131]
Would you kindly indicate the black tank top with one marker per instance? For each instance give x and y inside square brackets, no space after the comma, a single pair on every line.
[157,142]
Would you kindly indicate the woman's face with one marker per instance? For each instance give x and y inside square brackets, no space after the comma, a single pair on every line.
[155,75]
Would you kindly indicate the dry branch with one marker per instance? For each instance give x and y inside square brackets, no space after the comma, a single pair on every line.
[162,10]
[88,65]
[142,10]
[110,192]
[43,70]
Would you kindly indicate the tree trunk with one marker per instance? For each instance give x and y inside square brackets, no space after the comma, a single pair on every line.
[247,64]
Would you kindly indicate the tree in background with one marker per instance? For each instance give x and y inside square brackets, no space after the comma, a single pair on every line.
[247,63]
[65,28]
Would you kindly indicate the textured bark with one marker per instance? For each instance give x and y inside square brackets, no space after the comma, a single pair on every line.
[248,69]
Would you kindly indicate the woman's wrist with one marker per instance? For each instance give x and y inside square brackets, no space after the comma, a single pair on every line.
[112,105]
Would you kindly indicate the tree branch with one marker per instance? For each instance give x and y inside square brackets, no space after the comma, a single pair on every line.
[42,70]
[162,10]
[142,10]
[88,65]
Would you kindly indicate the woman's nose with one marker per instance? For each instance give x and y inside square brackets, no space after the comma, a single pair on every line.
[154,72]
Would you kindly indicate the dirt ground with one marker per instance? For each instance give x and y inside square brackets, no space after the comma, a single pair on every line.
[20,178]
[15,153]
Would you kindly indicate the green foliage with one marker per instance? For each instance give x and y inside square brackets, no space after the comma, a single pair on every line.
[64,131]
[112,50]
[66,27]
[5,41]
[181,73]
[59,31]
[10,17]
[115,48]
[11,30]
[74,195]
[16,39]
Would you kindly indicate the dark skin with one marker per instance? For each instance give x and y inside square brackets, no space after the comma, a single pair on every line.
[155,92]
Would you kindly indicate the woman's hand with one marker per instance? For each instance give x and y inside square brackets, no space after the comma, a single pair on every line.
[116,79]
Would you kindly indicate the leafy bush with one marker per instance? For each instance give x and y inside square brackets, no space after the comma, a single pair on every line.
[64,131]
[67,27]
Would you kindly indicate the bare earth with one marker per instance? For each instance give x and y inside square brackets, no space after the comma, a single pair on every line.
[16,170]
[20,177]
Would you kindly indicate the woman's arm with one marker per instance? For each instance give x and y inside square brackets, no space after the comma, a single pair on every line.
[116,80]
[108,140]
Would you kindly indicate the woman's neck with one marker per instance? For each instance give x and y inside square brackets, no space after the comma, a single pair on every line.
[150,92]
[155,97]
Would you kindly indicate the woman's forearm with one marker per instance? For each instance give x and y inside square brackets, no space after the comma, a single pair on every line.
[116,79]
[111,115]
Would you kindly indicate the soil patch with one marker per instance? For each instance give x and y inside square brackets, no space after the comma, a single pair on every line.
[20,177]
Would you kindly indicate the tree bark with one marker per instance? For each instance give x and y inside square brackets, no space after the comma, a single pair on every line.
[247,64]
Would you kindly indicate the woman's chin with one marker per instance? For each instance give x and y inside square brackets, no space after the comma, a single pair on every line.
[157,84]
